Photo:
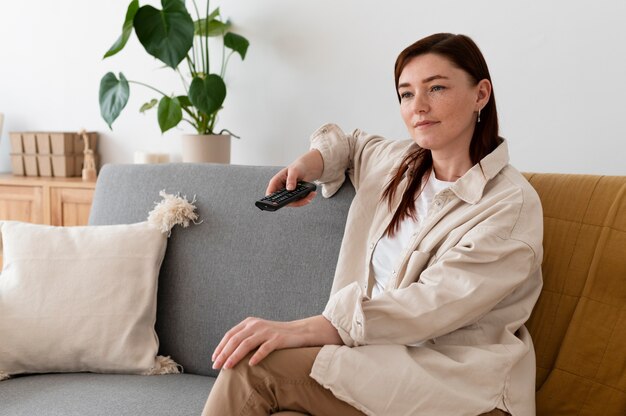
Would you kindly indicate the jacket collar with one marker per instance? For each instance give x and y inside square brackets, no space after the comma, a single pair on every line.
[470,186]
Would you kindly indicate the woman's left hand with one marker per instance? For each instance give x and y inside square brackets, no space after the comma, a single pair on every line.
[268,336]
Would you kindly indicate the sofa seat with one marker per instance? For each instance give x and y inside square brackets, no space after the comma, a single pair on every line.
[105,395]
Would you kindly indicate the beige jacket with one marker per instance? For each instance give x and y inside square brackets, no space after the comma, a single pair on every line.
[463,289]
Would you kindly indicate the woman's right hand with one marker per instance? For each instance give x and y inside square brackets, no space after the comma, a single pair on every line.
[307,167]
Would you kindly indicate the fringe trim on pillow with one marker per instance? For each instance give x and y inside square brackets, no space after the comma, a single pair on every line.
[172,210]
[164,365]
[4,376]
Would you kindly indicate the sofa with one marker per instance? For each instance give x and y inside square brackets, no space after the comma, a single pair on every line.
[240,261]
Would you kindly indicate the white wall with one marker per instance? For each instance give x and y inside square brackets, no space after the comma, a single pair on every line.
[559,71]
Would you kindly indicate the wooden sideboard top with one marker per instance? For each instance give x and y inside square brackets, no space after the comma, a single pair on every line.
[74,182]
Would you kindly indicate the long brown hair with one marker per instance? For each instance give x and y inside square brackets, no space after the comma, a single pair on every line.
[463,53]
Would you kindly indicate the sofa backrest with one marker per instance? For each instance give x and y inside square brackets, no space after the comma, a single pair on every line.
[579,322]
[239,262]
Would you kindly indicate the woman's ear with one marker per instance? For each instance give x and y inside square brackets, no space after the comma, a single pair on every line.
[484,92]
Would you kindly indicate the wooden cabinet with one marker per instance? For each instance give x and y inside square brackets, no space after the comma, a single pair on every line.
[52,201]
[70,206]
[21,203]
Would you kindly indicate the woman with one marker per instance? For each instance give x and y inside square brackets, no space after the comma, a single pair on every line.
[438,271]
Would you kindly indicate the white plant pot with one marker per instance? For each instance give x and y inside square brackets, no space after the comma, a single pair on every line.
[206,148]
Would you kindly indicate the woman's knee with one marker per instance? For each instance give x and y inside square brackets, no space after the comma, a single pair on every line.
[280,364]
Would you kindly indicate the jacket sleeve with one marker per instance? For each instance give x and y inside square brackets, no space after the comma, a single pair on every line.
[465,283]
[346,153]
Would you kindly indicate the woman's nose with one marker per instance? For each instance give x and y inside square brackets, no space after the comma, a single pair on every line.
[420,103]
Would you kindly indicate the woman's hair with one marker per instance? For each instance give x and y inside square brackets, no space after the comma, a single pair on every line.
[463,53]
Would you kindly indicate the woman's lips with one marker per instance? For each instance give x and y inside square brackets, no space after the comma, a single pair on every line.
[424,124]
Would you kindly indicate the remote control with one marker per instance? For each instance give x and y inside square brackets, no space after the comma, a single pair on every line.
[282,197]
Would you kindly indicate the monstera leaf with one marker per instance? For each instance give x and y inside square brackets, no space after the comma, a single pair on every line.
[211,27]
[113,96]
[169,113]
[207,94]
[165,34]
[127,29]
[237,43]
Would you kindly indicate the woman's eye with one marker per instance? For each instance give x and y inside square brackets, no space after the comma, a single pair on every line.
[404,95]
[436,88]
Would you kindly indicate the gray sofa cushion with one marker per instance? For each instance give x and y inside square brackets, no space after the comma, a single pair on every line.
[240,261]
[104,395]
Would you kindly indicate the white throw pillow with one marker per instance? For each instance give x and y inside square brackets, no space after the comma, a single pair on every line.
[76,299]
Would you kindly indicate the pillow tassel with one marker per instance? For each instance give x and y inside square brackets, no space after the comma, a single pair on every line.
[164,365]
[173,210]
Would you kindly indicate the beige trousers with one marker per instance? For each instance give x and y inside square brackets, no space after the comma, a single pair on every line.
[279,383]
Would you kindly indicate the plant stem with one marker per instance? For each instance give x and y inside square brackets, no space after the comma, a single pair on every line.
[148,86]
[195,6]
[223,59]
[192,125]
[195,56]
[203,59]
[192,66]
[212,124]
[182,79]
[206,44]
[224,64]
[197,124]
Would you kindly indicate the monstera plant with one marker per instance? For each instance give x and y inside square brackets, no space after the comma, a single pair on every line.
[172,36]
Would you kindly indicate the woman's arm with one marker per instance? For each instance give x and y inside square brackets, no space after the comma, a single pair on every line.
[268,336]
[462,286]
[356,154]
[333,154]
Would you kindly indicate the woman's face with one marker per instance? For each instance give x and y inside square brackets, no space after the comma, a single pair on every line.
[439,103]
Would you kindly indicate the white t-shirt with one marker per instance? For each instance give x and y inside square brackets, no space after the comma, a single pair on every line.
[389,249]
